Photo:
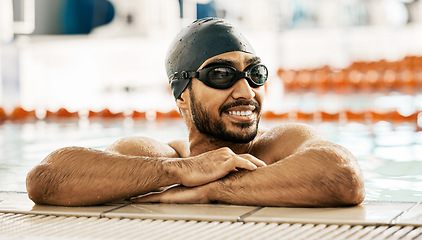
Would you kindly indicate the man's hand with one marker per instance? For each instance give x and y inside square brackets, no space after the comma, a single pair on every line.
[213,165]
[177,194]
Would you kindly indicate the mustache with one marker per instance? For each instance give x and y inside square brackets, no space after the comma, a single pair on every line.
[237,103]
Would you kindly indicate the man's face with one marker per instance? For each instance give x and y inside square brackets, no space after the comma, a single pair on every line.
[227,114]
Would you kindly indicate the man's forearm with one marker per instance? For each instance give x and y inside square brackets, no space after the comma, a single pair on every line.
[81,176]
[309,178]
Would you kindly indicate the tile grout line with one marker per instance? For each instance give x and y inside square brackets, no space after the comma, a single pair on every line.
[102,215]
[394,220]
[242,217]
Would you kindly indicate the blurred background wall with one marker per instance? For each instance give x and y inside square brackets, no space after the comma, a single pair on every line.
[95,54]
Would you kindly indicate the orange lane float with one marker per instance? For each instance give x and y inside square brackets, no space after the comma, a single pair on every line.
[404,76]
[379,116]
[3,115]
[273,115]
[397,117]
[322,80]
[138,115]
[62,113]
[105,113]
[167,115]
[392,116]
[288,77]
[330,117]
[305,116]
[20,113]
[352,116]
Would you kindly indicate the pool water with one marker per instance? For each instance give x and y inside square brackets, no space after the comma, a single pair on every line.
[390,155]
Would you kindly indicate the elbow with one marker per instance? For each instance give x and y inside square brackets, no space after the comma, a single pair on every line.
[345,181]
[352,194]
[58,180]
[44,180]
[350,190]
[42,188]
[38,190]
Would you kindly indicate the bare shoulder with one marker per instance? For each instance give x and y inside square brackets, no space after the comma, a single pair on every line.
[291,132]
[283,140]
[181,146]
[143,146]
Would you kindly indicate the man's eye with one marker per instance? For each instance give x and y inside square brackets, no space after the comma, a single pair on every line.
[221,73]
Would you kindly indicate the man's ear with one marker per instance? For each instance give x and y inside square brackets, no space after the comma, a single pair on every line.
[182,102]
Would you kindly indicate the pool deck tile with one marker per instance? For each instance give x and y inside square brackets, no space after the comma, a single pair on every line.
[368,213]
[14,202]
[198,212]
[371,213]
[411,217]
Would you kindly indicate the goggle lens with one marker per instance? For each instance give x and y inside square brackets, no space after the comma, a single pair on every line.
[221,76]
[224,76]
[259,74]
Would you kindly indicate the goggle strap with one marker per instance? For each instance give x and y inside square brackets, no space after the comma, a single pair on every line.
[184,75]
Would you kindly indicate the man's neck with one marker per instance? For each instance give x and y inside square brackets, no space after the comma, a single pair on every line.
[201,143]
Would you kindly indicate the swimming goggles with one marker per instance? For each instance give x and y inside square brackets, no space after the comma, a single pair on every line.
[224,76]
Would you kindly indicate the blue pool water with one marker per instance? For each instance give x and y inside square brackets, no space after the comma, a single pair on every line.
[390,155]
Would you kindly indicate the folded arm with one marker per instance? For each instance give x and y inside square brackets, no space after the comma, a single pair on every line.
[321,174]
[76,176]
[309,172]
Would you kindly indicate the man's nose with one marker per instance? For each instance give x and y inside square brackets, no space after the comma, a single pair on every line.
[241,89]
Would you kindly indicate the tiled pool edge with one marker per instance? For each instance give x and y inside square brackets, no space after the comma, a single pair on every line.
[390,213]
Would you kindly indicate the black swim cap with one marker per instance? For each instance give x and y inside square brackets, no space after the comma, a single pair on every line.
[203,39]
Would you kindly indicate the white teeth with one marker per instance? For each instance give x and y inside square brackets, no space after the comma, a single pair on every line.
[240,113]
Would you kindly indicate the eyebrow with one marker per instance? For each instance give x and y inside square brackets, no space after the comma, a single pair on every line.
[219,61]
[254,60]
[231,63]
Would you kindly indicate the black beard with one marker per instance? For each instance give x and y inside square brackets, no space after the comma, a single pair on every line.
[216,129]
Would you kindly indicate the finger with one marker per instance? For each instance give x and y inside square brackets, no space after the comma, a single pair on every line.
[254,160]
[155,197]
[240,162]
[175,195]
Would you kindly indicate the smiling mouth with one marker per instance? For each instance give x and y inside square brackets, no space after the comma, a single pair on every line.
[241,108]
[240,113]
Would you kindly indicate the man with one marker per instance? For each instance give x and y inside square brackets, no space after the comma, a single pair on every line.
[217,81]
